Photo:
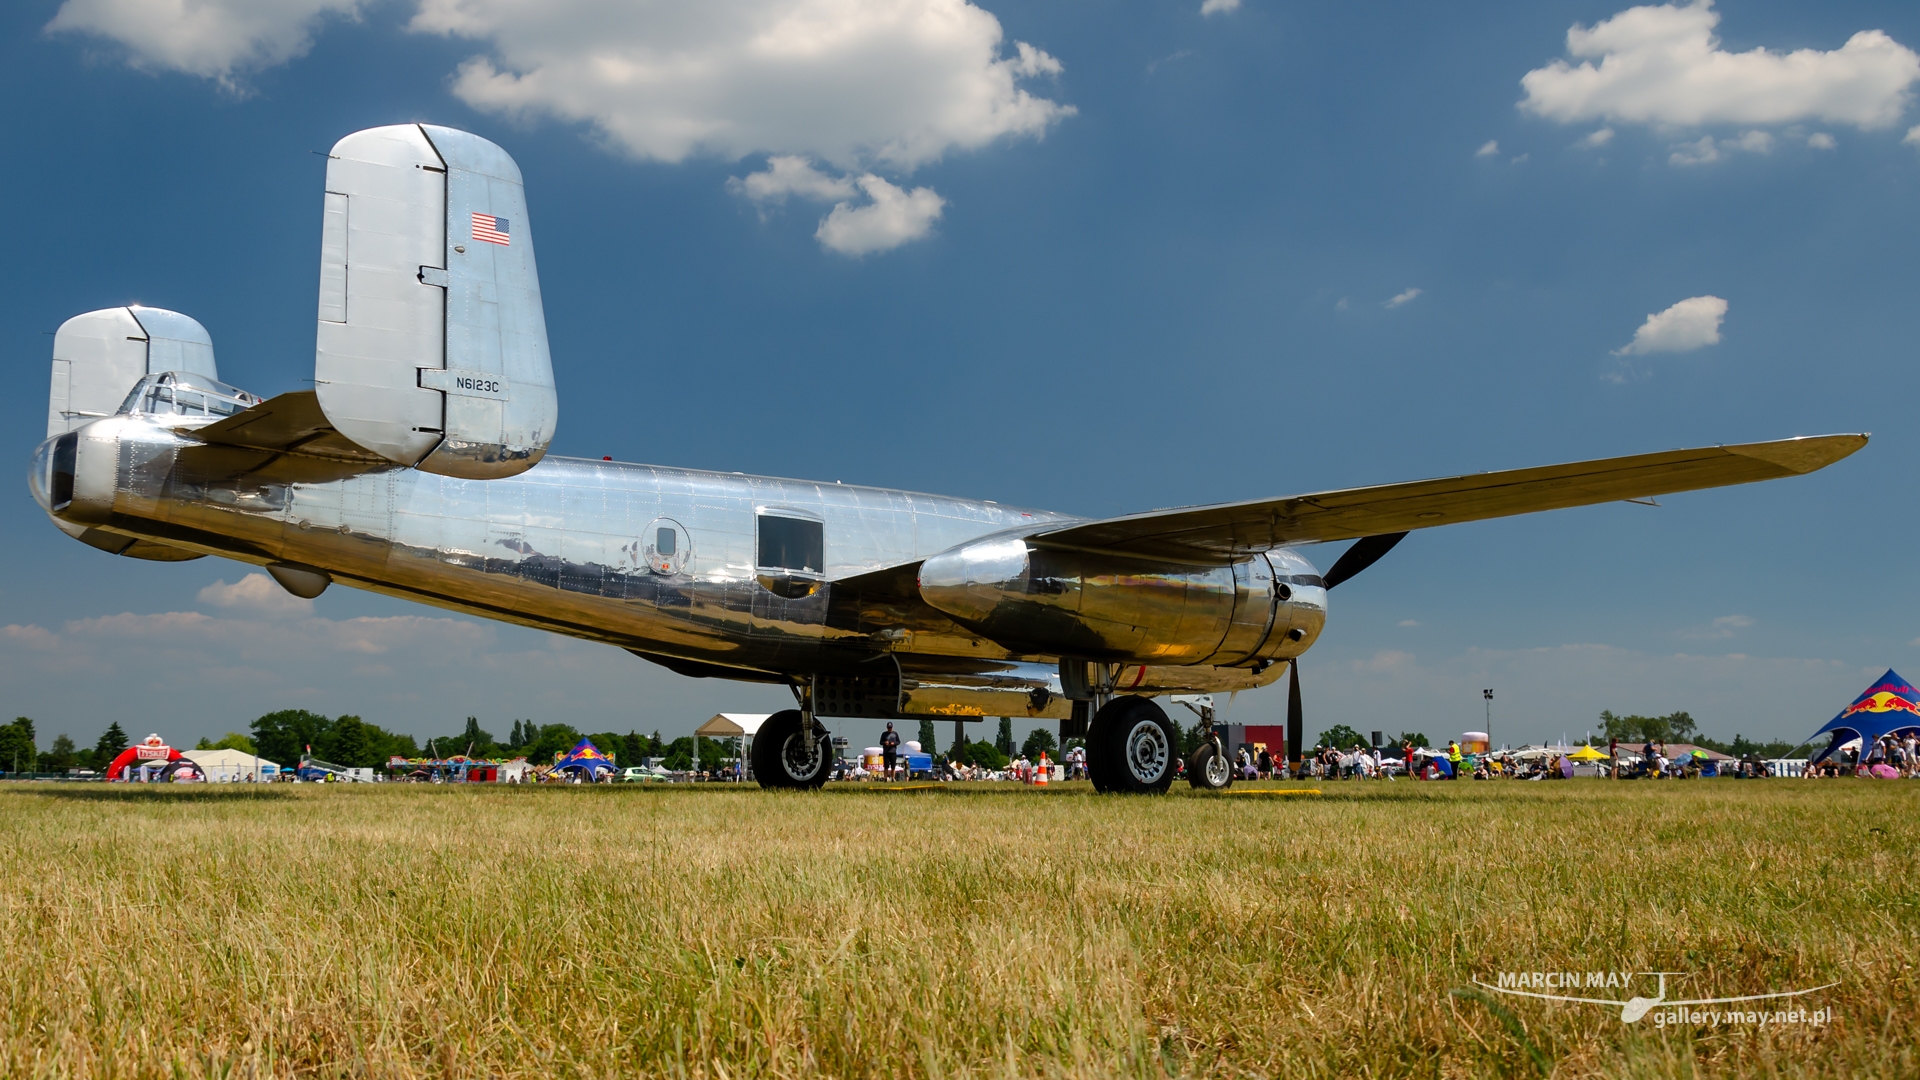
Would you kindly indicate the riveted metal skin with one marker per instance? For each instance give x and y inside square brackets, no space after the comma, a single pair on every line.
[565,546]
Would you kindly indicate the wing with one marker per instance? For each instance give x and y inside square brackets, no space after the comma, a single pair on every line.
[1227,530]
[285,439]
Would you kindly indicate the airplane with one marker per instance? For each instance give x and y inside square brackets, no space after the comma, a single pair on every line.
[417,467]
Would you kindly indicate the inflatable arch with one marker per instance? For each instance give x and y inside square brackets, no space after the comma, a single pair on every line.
[150,751]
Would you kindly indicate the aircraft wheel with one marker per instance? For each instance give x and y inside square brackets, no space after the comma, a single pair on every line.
[1209,770]
[1099,771]
[1135,746]
[780,758]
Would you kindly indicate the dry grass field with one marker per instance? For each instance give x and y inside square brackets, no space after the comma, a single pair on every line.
[403,931]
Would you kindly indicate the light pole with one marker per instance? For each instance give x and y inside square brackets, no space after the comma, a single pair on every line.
[1488,695]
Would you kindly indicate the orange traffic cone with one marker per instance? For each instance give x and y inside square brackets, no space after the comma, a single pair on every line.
[1041,770]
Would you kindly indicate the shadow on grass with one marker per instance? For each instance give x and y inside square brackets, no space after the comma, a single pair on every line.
[168,793]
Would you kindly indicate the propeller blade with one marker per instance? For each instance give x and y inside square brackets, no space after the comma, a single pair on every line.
[1364,553]
[1295,720]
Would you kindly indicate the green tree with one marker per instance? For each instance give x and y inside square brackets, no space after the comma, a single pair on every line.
[928,744]
[1003,742]
[18,752]
[633,749]
[232,740]
[551,740]
[983,754]
[61,757]
[351,744]
[611,745]
[283,737]
[655,748]
[680,753]
[112,741]
[1416,738]
[1038,741]
[1341,737]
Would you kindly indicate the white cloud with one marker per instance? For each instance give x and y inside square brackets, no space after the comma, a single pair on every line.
[214,39]
[1706,150]
[1179,54]
[1913,136]
[1409,622]
[1488,148]
[1218,7]
[1820,140]
[1687,325]
[852,82]
[257,593]
[889,218]
[1664,65]
[1701,152]
[790,175]
[1521,159]
[1596,139]
[1725,626]
[1402,298]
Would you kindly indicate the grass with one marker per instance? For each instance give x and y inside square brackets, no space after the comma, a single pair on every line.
[403,931]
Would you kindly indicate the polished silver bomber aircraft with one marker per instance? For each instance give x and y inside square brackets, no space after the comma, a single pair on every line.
[417,467]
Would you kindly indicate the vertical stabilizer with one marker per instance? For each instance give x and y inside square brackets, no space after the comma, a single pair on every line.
[432,344]
[98,356]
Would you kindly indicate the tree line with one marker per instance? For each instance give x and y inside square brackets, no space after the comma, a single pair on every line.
[284,737]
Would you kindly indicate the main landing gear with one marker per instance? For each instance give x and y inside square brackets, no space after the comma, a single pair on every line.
[1132,747]
[792,749]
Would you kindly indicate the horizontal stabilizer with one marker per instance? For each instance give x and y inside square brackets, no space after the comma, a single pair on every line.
[285,439]
[1229,530]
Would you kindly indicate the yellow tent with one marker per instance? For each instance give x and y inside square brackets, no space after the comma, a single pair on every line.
[1587,753]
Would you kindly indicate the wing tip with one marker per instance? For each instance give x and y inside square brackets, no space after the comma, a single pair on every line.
[1805,454]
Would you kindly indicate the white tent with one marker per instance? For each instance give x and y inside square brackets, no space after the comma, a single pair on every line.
[732,725]
[233,765]
[729,725]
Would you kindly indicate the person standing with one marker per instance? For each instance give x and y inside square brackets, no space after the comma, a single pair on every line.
[1613,755]
[1406,755]
[890,748]
[1453,757]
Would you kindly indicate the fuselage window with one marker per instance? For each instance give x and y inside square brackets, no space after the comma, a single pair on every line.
[666,542]
[792,544]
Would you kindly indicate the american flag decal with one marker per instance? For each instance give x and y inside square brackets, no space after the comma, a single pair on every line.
[491,229]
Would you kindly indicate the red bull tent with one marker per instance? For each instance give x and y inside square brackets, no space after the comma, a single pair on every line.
[586,757]
[1889,706]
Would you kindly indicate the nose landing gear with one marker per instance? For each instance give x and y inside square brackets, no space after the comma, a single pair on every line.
[1208,769]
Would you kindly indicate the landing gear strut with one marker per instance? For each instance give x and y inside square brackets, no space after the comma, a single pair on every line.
[1208,768]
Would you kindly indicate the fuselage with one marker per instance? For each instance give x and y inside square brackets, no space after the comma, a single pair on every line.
[746,573]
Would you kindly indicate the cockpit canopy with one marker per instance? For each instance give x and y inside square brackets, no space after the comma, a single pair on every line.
[184,394]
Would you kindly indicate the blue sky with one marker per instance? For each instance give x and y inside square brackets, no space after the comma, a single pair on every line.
[1155,257]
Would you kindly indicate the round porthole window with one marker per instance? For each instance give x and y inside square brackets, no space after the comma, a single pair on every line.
[664,546]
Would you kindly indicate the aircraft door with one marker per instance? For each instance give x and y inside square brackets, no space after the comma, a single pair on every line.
[790,581]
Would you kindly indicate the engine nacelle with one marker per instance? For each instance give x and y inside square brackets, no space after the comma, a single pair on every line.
[1038,600]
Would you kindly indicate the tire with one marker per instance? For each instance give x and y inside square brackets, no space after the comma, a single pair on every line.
[779,753]
[1209,770]
[1099,773]
[1136,747]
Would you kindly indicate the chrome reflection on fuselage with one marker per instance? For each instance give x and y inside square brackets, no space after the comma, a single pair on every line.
[744,573]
